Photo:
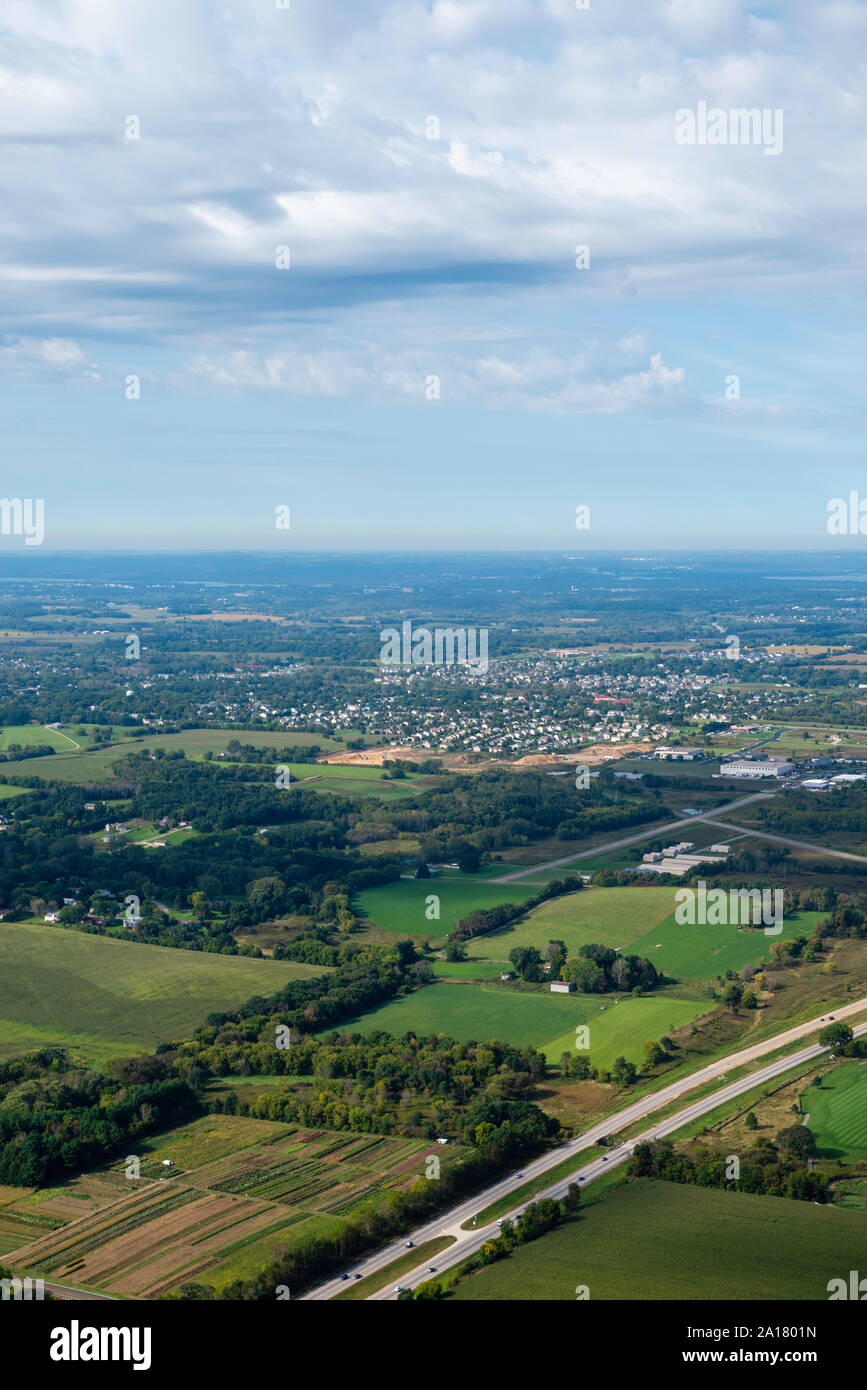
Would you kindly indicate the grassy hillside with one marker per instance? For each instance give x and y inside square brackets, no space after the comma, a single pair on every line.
[657,1241]
[401,907]
[94,764]
[640,920]
[106,998]
[609,916]
[543,1020]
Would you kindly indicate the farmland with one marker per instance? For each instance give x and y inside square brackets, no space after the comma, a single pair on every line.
[105,998]
[468,1011]
[350,779]
[94,764]
[699,952]
[609,916]
[401,907]
[238,1192]
[642,921]
[654,1240]
[837,1106]
[29,735]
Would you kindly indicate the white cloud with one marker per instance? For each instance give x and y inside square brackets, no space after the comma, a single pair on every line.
[306,127]
[46,357]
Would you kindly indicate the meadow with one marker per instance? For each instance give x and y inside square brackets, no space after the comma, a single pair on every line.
[608,916]
[401,906]
[238,1192]
[28,735]
[700,952]
[639,920]
[104,998]
[837,1106]
[468,1011]
[652,1241]
[352,780]
[94,764]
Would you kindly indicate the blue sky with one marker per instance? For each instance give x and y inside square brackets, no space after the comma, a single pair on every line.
[413,257]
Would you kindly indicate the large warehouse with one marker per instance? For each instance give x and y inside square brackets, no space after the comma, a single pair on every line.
[767,767]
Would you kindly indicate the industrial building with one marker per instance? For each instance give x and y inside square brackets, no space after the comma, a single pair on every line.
[688,755]
[754,767]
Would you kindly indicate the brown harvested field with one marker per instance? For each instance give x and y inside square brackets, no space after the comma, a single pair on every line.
[237,1192]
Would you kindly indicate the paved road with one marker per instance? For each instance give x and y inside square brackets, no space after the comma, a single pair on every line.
[783,839]
[65,1291]
[614,1157]
[751,747]
[466,1242]
[644,834]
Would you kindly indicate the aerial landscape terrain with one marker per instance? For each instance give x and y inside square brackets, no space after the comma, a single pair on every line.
[433,678]
[428,981]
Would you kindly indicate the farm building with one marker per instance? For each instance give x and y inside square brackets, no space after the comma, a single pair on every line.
[562,987]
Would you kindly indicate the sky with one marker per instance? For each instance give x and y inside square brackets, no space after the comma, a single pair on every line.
[325,256]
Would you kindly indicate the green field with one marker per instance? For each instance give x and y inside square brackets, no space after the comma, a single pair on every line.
[654,1241]
[27,735]
[608,916]
[357,781]
[838,1111]
[106,998]
[546,1021]
[7,792]
[94,764]
[467,969]
[624,1027]
[700,952]
[400,907]
[640,920]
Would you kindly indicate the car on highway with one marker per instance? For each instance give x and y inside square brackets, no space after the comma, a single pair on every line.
[431,1269]
[344,1276]
[410,1244]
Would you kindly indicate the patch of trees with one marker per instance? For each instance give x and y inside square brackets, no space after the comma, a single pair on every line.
[847,920]
[497,809]
[16,751]
[375,1083]
[56,1117]
[768,1170]
[284,852]
[802,813]
[369,976]
[601,970]
[251,753]
[488,919]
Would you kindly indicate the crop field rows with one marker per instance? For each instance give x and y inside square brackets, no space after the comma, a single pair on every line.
[227,1202]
